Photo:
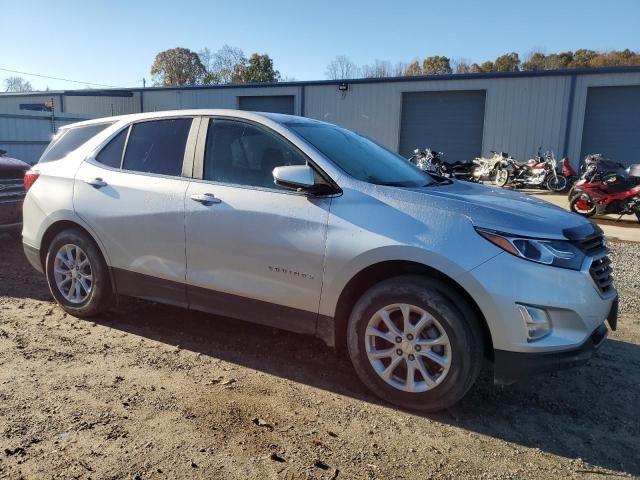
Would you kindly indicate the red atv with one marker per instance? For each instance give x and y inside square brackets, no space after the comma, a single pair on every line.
[607,193]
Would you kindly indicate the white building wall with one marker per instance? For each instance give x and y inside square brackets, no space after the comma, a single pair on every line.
[521,114]
[156,100]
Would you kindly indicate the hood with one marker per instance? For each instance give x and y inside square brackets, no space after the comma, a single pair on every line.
[8,163]
[493,208]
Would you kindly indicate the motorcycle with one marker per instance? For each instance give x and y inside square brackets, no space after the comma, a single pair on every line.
[433,161]
[598,193]
[568,172]
[486,168]
[540,172]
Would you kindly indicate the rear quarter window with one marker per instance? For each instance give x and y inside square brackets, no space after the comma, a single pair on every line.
[69,140]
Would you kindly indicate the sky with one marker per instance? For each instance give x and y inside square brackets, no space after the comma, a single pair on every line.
[114,43]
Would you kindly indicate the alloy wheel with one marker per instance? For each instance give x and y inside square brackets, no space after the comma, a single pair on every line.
[73,273]
[408,348]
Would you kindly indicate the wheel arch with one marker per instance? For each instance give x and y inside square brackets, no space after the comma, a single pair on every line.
[375,273]
[61,225]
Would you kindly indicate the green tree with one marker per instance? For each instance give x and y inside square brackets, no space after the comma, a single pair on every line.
[258,69]
[534,61]
[177,66]
[436,65]
[486,66]
[558,61]
[582,58]
[413,69]
[475,68]
[509,62]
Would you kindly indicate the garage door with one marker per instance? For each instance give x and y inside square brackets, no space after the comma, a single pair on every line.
[612,123]
[275,104]
[450,122]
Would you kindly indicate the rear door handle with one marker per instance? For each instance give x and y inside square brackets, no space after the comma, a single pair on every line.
[97,183]
[206,198]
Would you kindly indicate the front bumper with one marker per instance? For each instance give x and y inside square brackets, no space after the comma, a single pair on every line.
[509,367]
[575,307]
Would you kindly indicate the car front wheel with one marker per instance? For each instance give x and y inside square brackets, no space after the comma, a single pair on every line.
[77,274]
[413,345]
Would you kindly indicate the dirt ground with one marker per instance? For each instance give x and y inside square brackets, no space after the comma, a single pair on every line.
[152,392]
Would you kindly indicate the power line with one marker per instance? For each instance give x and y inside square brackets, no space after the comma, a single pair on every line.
[59,78]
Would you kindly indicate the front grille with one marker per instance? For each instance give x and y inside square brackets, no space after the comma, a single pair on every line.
[11,189]
[600,270]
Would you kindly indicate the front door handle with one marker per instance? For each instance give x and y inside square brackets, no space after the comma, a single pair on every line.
[97,183]
[206,198]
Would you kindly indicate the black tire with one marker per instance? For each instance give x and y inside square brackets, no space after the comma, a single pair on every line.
[585,213]
[502,177]
[638,215]
[558,185]
[100,297]
[456,318]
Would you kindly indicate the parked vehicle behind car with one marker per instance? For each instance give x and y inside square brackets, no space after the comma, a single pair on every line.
[609,193]
[433,161]
[306,226]
[12,193]
[539,172]
[486,168]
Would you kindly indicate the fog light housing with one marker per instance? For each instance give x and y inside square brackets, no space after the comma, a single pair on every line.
[536,322]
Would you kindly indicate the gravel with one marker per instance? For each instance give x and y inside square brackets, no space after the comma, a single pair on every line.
[626,271]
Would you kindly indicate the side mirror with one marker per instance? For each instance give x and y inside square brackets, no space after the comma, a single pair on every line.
[295,177]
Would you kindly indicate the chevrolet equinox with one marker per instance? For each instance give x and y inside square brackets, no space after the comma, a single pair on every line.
[309,227]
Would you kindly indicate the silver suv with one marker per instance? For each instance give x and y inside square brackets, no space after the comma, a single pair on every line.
[309,227]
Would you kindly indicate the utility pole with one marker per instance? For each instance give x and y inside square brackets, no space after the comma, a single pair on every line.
[144,82]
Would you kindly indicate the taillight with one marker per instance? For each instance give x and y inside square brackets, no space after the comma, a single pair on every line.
[30,178]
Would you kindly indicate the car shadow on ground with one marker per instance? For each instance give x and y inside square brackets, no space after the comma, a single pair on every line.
[589,413]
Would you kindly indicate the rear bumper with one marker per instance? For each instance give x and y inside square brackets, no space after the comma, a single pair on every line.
[33,255]
[510,367]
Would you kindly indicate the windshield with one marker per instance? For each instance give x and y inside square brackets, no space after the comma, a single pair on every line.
[70,139]
[361,157]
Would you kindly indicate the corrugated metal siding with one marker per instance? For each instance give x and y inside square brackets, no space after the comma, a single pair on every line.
[102,106]
[26,136]
[521,114]
[11,103]
[156,100]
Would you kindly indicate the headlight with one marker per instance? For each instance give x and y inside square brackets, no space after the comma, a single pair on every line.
[559,253]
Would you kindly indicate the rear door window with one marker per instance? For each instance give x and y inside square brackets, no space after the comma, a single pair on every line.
[157,146]
[69,140]
[111,155]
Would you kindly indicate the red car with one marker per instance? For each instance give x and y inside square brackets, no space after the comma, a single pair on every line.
[11,193]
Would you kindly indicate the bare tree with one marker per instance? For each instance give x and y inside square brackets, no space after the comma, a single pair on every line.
[225,61]
[341,68]
[462,65]
[378,69]
[17,84]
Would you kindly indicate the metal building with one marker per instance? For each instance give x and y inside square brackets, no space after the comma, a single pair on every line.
[572,112]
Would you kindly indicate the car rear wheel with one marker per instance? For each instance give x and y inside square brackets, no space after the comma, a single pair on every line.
[413,345]
[77,274]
